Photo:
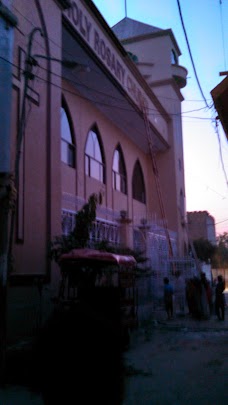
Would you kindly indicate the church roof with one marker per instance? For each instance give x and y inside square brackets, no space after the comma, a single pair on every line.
[128,28]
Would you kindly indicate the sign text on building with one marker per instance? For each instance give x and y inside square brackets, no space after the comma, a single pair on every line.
[97,41]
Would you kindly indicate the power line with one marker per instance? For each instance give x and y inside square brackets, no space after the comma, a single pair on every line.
[190,53]
[71,55]
[154,112]
[151,110]
[220,222]
[101,103]
[197,79]
[116,106]
[78,95]
[223,197]
[185,100]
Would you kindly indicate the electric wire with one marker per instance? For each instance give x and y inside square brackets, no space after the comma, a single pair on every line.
[71,55]
[152,111]
[190,53]
[197,79]
[119,99]
[28,20]
[223,197]
[220,222]
[78,95]
[204,99]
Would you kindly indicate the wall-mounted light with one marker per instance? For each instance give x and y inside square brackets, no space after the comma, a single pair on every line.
[68,63]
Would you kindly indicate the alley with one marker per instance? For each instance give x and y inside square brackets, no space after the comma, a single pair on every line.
[178,362]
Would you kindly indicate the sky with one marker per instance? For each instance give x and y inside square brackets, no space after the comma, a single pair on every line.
[205,149]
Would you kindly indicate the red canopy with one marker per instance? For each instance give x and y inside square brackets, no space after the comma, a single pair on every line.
[97,255]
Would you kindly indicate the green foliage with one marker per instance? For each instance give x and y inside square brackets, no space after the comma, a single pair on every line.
[220,259]
[204,249]
[222,240]
[218,255]
[84,220]
[79,237]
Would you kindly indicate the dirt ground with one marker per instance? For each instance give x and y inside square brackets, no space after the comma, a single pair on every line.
[178,364]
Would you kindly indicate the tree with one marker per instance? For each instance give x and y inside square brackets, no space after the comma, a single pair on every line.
[205,250]
[221,256]
[79,237]
[223,240]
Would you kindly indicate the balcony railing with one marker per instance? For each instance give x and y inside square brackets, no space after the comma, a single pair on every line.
[180,75]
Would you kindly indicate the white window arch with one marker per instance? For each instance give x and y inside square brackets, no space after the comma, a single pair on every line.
[94,160]
[119,179]
[67,143]
[174,57]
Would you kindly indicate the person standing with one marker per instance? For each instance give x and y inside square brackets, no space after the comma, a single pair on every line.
[168,298]
[205,297]
[220,299]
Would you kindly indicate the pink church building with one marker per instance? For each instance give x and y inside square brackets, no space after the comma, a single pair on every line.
[86,88]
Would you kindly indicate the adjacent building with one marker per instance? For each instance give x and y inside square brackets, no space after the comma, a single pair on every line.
[201,225]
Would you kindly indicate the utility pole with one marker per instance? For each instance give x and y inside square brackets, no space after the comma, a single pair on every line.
[7,23]
[28,75]
[30,62]
[9,181]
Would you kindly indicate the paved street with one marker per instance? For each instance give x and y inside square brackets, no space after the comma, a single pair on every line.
[179,362]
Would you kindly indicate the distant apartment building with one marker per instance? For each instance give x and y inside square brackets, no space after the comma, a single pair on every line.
[201,225]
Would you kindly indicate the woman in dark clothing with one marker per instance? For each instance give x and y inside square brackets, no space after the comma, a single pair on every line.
[168,298]
[220,299]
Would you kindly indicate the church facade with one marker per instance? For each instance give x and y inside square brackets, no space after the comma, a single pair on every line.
[99,111]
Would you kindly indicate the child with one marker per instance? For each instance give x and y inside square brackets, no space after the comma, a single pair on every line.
[168,298]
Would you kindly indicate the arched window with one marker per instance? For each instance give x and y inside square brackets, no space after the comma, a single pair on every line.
[67,143]
[94,161]
[119,179]
[174,57]
[138,185]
